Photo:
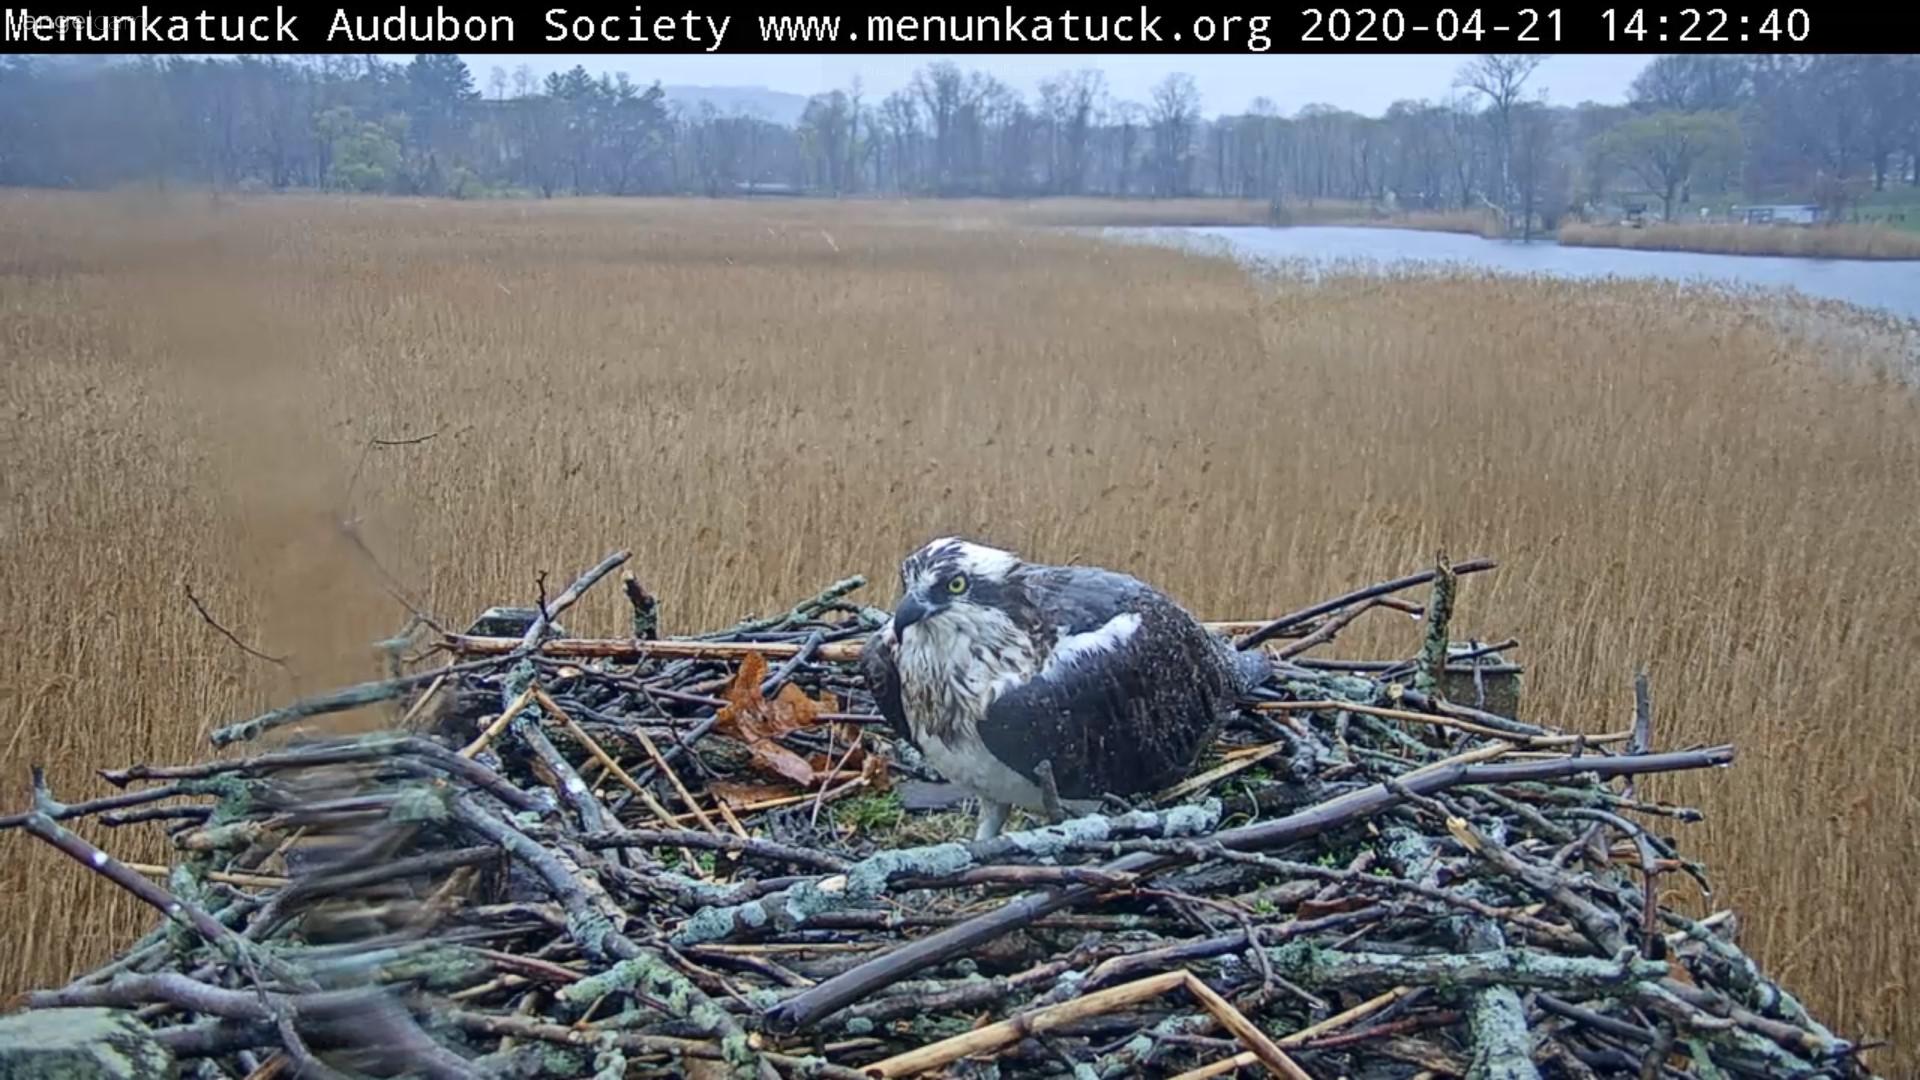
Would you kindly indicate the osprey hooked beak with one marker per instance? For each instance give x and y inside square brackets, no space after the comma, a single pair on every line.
[911,610]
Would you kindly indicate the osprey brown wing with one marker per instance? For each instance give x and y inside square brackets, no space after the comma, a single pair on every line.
[1126,717]
[880,667]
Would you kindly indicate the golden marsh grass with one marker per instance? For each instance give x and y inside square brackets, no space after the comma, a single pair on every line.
[1346,212]
[1823,242]
[760,398]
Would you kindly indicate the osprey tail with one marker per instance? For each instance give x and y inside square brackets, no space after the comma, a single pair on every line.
[1247,670]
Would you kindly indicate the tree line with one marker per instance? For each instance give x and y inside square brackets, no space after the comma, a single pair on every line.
[1822,127]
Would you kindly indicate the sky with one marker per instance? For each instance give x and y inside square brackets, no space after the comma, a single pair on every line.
[1363,83]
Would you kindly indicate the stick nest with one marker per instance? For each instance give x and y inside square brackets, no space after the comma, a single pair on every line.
[706,856]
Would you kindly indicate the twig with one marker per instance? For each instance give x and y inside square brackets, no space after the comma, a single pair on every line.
[1275,1059]
[278,661]
[1327,630]
[352,697]
[1037,1022]
[1536,741]
[1294,618]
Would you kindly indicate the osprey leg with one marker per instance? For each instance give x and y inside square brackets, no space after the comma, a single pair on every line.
[993,816]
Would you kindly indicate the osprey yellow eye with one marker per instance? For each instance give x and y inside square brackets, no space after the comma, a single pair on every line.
[957,584]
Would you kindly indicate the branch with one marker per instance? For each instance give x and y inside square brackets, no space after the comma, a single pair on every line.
[1292,619]
[280,661]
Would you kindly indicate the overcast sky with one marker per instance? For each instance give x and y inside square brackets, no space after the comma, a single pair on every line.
[1363,83]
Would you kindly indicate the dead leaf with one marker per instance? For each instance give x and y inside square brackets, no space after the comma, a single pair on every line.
[750,719]
[739,795]
[853,757]
[875,771]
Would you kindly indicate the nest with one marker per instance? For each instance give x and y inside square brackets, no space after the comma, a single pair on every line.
[706,856]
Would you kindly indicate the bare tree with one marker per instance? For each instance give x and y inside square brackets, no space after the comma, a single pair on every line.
[1541,176]
[1500,78]
[900,120]
[942,90]
[1690,82]
[1127,119]
[828,130]
[1068,104]
[1173,114]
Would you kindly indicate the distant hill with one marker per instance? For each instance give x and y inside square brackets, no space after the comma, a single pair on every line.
[775,105]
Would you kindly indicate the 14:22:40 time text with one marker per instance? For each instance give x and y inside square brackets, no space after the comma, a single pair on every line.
[1708,26]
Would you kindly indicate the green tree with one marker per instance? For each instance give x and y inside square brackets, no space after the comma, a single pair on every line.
[439,92]
[1667,149]
[365,155]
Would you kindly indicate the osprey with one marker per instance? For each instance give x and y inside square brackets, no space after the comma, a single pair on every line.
[1028,684]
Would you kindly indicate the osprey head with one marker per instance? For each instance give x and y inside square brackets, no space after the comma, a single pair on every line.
[954,578]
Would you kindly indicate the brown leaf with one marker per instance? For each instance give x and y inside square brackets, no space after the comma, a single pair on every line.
[740,795]
[751,719]
[842,757]
[772,757]
[874,769]
[746,681]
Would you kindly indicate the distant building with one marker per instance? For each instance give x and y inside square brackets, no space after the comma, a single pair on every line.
[750,187]
[1777,214]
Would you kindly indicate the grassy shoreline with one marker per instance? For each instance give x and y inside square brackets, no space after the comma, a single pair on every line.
[1815,242]
[1828,242]
[760,397]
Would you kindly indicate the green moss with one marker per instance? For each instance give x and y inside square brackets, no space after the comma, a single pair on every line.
[235,797]
[592,931]
[1704,1067]
[233,836]
[610,1062]
[871,813]
[441,970]
[419,804]
[868,878]
[81,1044]
[564,1061]
[717,923]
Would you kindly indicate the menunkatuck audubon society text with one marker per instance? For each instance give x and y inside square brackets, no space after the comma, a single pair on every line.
[417,27]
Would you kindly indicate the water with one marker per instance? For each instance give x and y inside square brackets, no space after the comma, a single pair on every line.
[1892,287]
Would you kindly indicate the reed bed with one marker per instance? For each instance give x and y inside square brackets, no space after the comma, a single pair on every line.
[1817,242]
[755,398]
[1484,223]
